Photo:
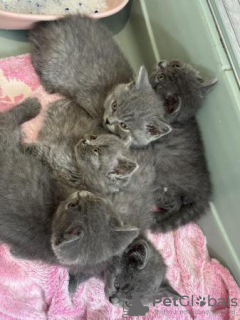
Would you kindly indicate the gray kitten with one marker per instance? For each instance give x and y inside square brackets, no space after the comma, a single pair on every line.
[133,205]
[98,161]
[94,70]
[77,57]
[134,202]
[140,269]
[182,178]
[181,88]
[133,110]
[35,219]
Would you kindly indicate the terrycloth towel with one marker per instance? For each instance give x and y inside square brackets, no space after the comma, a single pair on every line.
[35,291]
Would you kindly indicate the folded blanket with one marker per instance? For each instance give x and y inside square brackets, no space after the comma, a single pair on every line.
[32,290]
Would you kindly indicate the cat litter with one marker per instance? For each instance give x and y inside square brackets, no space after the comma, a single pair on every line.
[58,7]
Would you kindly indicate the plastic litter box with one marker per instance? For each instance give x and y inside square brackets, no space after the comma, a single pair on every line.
[11,20]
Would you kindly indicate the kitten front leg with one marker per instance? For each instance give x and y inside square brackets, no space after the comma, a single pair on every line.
[31,148]
[18,253]
[11,120]
[38,150]
[27,110]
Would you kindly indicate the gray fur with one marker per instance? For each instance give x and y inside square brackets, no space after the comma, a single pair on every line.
[96,161]
[77,57]
[179,84]
[183,180]
[35,218]
[140,269]
[134,111]
[133,205]
[135,201]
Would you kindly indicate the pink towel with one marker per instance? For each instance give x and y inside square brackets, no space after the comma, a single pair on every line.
[33,290]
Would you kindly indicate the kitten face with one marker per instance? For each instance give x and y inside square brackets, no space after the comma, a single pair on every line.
[86,230]
[181,88]
[132,112]
[139,270]
[109,157]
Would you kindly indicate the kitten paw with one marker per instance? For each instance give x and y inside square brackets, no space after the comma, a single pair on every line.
[31,107]
[16,253]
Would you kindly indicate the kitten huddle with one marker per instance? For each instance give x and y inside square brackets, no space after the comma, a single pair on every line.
[38,220]
[119,155]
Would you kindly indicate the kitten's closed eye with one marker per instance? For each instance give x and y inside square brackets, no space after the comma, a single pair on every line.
[72,205]
[74,232]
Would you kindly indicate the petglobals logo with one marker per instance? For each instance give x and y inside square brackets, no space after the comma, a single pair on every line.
[186,301]
[136,308]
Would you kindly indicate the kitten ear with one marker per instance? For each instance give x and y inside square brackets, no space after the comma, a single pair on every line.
[122,237]
[172,105]
[166,290]
[70,235]
[138,254]
[156,129]
[124,168]
[207,85]
[142,81]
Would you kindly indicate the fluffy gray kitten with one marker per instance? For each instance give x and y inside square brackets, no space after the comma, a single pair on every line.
[37,221]
[77,57]
[135,112]
[140,269]
[133,205]
[183,186]
[96,161]
[135,201]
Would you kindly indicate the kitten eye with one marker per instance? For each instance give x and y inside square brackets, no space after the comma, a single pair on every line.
[72,205]
[114,105]
[96,150]
[160,77]
[176,65]
[123,125]
[84,141]
[92,137]
[116,284]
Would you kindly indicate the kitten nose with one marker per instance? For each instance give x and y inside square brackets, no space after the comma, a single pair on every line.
[110,120]
[85,141]
[84,193]
[113,299]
